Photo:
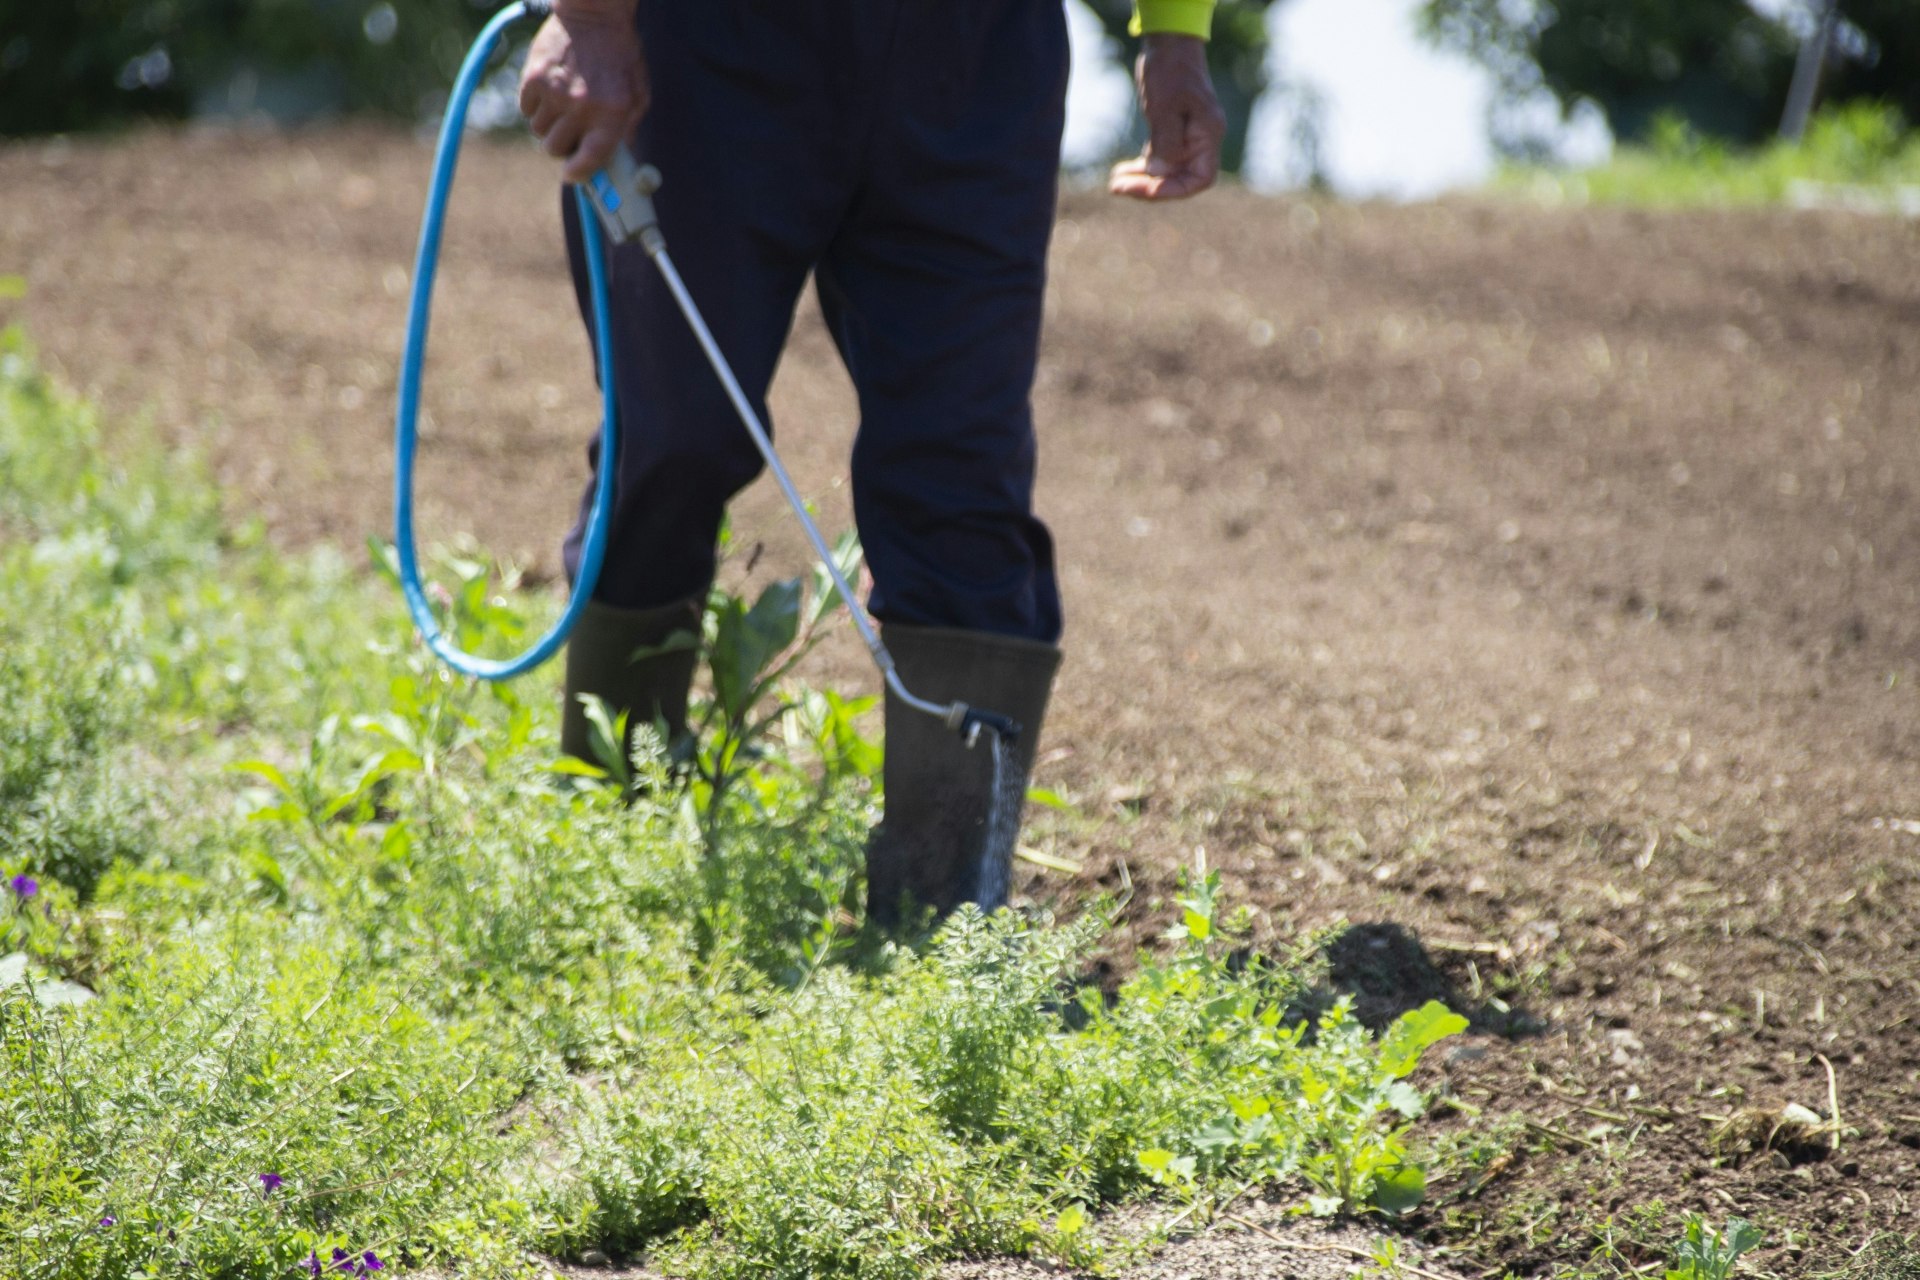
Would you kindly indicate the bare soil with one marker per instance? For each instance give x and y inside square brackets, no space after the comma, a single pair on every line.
[1537,587]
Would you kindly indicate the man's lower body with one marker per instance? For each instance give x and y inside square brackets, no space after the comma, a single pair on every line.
[904,153]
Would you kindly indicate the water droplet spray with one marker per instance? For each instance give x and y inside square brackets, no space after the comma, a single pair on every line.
[1002,830]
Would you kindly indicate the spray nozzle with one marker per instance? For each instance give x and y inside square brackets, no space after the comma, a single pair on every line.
[973,720]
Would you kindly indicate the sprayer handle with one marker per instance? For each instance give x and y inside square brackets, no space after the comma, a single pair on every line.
[622,194]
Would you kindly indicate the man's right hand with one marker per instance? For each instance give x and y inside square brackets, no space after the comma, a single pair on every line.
[585,84]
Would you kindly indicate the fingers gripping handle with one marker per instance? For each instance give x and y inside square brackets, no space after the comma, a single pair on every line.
[621,193]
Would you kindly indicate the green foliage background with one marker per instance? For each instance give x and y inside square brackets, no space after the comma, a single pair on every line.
[1717,64]
[77,64]
[1859,155]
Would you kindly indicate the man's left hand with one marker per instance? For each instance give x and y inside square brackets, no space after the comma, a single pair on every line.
[1185,125]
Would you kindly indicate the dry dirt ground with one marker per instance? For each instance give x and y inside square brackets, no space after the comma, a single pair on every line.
[1539,588]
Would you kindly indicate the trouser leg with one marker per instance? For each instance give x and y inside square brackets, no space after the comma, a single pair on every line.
[933,289]
[750,198]
[753,188]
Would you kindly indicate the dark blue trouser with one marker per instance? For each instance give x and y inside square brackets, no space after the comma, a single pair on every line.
[905,152]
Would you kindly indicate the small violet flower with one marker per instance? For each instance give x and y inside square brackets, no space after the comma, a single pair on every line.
[108,1220]
[269,1183]
[345,1263]
[24,886]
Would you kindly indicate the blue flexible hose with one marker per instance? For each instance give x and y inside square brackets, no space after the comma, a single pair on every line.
[594,545]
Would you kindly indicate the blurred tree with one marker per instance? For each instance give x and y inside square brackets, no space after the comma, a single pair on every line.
[1889,68]
[1237,56]
[1718,64]
[79,64]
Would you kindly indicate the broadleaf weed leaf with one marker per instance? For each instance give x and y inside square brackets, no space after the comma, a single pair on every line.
[1399,1189]
[1742,1236]
[1413,1033]
[608,733]
[1406,1099]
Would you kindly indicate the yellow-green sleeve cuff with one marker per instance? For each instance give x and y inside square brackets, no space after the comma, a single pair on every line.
[1173,17]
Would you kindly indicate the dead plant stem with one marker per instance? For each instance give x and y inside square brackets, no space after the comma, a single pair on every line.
[1352,1251]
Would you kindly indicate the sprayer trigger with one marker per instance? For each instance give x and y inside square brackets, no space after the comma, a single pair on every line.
[622,194]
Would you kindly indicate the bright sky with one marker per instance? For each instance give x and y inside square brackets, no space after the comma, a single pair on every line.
[1399,119]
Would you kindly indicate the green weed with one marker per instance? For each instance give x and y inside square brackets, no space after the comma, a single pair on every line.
[1702,1253]
[1706,1254]
[1308,1106]
[1860,146]
[371,981]
[1887,1256]
[137,1129]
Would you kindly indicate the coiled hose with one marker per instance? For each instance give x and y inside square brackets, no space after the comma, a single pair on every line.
[406,421]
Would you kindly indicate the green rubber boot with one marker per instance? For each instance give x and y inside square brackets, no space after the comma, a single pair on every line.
[650,688]
[927,850]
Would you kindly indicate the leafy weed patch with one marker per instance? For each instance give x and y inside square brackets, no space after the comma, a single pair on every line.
[379,987]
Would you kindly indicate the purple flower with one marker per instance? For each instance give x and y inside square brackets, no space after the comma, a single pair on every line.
[269,1183]
[371,1263]
[312,1264]
[343,1261]
[24,886]
[108,1220]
